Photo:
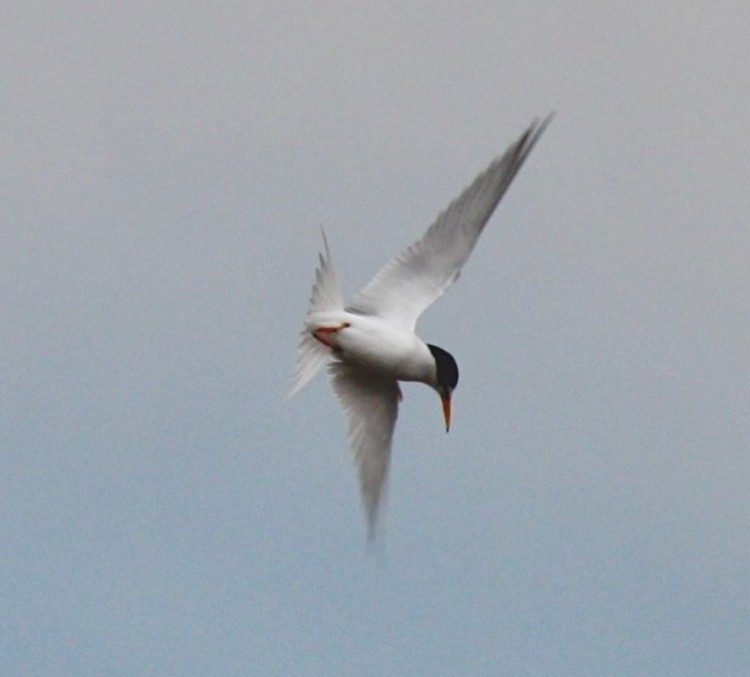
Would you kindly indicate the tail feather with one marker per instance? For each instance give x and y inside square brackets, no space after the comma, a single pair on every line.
[325,296]
[311,356]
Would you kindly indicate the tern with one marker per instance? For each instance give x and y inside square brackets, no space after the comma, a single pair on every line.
[371,344]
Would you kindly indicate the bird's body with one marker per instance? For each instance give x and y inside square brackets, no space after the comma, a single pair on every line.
[374,345]
[371,343]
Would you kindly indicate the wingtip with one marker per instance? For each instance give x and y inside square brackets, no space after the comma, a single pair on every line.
[375,532]
[545,122]
[534,131]
[548,118]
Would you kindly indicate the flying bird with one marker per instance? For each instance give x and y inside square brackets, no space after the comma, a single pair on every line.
[371,344]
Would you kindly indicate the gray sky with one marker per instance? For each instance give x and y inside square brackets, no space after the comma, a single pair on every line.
[165,167]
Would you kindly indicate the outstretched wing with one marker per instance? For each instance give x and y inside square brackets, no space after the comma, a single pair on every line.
[371,406]
[418,276]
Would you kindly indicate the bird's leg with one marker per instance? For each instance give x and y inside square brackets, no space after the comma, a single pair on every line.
[326,334]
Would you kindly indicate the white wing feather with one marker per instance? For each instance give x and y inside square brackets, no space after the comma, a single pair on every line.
[418,276]
[371,406]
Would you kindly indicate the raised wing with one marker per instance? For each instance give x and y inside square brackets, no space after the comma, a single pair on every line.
[371,406]
[419,275]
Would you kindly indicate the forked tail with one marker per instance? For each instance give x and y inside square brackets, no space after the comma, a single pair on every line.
[325,296]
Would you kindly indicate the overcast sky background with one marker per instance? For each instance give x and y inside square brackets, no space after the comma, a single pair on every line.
[164,169]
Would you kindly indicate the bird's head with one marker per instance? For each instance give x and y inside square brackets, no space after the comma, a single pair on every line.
[446,379]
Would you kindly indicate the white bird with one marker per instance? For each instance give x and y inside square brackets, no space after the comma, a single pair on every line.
[371,341]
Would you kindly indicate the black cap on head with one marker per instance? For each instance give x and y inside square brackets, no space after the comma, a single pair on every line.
[447,369]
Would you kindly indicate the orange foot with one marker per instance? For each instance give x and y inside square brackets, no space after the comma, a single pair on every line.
[326,334]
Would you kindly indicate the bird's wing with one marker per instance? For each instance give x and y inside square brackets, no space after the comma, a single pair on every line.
[371,406]
[418,276]
[326,295]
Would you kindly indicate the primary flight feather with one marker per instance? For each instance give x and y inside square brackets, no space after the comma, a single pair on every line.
[371,344]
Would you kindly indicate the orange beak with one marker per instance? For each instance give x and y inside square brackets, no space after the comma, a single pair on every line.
[446,410]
